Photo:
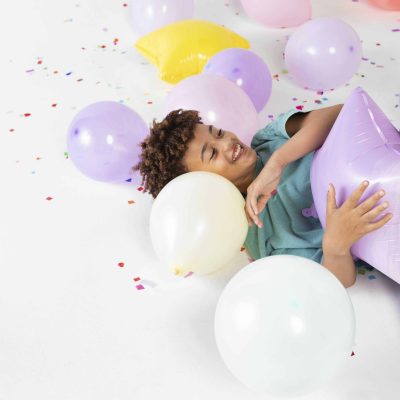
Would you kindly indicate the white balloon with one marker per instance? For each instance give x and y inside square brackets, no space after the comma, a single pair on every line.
[198,223]
[284,325]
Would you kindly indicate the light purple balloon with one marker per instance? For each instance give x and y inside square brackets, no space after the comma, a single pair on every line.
[247,70]
[323,53]
[104,141]
[220,102]
[149,15]
[363,145]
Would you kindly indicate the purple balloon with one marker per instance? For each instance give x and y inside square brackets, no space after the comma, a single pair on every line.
[363,145]
[323,53]
[247,70]
[220,103]
[149,15]
[104,141]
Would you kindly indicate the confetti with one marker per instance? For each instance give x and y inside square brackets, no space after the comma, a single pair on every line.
[370,277]
[27,115]
[49,198]
[139,287]
[136,279]
[131,202]
[54,105]
[188,274]
[121,264]
[140,189]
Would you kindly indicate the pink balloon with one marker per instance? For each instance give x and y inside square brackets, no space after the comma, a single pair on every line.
[220,102]
[363,145]
[387,4]
[278,13]
[323,53]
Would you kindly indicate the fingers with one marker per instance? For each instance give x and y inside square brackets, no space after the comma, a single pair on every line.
[330,199]
[369,216]
[376,225]
[366,205]
[251,213]
[352,200]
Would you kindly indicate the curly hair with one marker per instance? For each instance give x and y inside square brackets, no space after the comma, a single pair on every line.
[163,149]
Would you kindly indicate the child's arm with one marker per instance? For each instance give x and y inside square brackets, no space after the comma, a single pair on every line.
[312,134]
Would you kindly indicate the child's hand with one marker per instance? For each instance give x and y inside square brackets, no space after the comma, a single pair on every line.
[350,222]
[261,189]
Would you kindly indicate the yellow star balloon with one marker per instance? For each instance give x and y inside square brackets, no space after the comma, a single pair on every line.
[183,48]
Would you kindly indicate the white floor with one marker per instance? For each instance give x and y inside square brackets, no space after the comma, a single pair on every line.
[74,323]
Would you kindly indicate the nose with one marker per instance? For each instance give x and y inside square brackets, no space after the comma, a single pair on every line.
[224,146]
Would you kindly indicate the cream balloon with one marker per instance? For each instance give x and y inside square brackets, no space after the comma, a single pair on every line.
[198,223]
[284,325]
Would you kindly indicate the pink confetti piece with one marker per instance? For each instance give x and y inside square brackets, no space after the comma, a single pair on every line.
[136,279]
[396,30]
[188,274]
[27,114]
[54,105]
[139,287]
[49,198]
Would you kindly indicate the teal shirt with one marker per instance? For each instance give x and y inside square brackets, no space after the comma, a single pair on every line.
[291,223]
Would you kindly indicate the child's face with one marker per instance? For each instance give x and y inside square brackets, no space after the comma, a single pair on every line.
[212,150]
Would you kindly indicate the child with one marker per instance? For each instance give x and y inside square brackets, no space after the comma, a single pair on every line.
[276,168]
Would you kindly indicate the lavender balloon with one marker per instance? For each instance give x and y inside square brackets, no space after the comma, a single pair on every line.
[247,70]
[220,103]
[104,141]
[323,53]
[149,15]
[363,144]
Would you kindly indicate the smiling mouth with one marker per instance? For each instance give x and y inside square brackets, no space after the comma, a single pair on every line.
[238,150]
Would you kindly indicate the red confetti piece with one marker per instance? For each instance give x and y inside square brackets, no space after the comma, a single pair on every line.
[125,5]
[54,105]
[49,198]
[136,279]
[27,115]
[131,202]
[242,249]
[299,107]
[140,189]
[352,354]
[121,264]
[39,62]
[11,130]
[149,102]
[103,46]
[378,44]
[139,287]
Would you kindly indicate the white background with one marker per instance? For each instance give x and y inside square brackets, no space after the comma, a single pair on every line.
[73,324]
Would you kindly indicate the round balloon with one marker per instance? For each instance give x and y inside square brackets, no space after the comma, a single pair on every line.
[220,102]
[392,5]
[247,70]
[284,325]
[323,53]
[198,223]
[104,139]
[278,13]
[149,15]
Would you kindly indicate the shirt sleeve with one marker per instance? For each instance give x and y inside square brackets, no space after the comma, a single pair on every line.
[276,129]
